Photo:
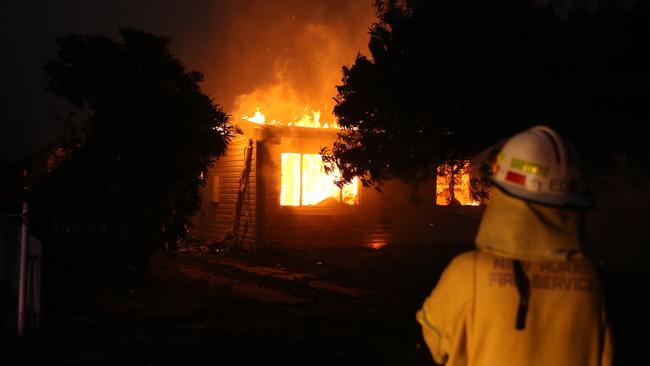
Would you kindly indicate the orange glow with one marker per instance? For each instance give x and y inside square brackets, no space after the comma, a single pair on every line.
[290,182]
[257,117]
[288,64]
[316,185]
[308,118]
[350,192]
[462,187]
[376,245]
[305,183]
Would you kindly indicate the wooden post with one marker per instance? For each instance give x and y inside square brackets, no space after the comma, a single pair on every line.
[24,237]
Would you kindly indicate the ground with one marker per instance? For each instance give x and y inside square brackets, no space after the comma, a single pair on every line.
[335,306]
[310,307]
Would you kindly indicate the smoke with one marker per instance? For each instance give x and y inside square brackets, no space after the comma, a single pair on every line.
[285,57]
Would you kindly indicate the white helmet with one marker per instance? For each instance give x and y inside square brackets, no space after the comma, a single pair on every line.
[537,165]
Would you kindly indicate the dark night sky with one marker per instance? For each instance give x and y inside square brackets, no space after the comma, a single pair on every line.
[238,45]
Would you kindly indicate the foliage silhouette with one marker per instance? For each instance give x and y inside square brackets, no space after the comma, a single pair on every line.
[446,80]
[130,176]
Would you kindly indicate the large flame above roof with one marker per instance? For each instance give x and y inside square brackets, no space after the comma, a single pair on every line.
[288,70]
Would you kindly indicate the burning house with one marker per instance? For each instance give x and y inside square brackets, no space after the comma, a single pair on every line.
[270,190]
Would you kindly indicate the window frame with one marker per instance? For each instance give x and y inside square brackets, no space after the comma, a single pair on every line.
[469,188]
[340,202]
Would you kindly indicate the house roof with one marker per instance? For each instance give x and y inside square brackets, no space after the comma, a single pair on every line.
[262,131]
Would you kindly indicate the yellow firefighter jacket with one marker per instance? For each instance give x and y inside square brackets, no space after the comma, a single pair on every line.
[470,317]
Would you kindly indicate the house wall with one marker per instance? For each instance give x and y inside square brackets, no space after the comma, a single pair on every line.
[301,226]
[405,214]
[399,214]
[217,215]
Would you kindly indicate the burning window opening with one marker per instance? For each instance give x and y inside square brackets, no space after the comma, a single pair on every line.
[305,183]
[453,186]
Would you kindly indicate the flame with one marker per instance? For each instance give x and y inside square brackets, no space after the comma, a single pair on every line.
[462,191]
[312,119]
[308,118]
[290,181]
[258,117]
[305,183]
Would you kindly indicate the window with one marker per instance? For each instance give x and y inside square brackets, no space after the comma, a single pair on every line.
[453,185]
[304,183]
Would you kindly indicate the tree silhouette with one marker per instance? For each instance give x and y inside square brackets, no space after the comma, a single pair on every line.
[445,80]
[452,170]
[130,178]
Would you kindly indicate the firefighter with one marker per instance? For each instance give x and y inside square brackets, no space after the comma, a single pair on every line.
[527,295]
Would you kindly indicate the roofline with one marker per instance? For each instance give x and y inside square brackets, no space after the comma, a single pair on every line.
[253,128]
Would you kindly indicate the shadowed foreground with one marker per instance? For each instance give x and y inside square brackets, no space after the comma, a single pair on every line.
[340,306]
[235,309]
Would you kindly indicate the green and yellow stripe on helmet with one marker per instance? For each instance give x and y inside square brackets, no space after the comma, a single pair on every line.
[529,167]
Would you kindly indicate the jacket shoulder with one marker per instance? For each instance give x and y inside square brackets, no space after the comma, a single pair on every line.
[461,268]
[466,259]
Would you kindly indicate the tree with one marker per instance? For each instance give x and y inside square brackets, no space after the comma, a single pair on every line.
[131,176]
[452,170]
[446,80]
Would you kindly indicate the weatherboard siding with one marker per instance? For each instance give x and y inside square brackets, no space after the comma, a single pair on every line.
[214,220]
[398,215]
[301,226]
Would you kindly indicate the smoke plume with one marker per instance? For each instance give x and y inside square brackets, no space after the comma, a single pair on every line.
[285,57]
